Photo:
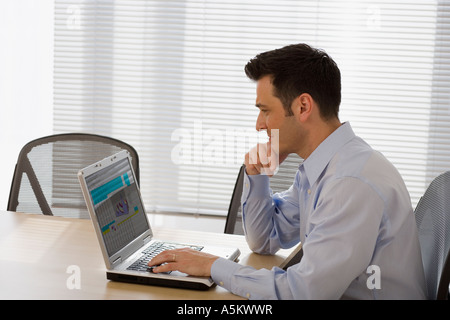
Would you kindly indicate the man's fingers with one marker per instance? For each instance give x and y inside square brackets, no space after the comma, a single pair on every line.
[263,154]
[268,159]
[252,163]
[263,159]
[185,260]
[166,267]
[166,256]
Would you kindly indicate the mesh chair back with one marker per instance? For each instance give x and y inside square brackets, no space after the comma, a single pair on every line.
[281,181]
[45,179]
[433,222]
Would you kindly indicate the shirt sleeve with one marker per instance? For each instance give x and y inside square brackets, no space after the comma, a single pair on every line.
[271,221]
[248,282]
[332,258]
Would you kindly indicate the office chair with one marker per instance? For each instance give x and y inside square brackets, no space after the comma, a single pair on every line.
[45,178]
[433,222]
[281,181]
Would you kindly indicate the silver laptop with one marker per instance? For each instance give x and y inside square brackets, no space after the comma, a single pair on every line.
[117,211]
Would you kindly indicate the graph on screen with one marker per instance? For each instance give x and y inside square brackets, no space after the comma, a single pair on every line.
[117,205]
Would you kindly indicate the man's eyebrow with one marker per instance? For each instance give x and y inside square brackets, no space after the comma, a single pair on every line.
[260,105]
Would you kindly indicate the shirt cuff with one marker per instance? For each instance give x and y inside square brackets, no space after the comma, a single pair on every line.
[222,272]
[259,184]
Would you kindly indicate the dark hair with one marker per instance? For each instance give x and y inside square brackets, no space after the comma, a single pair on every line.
[298,69]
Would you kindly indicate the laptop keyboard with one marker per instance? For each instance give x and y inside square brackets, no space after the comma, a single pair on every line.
[153,250]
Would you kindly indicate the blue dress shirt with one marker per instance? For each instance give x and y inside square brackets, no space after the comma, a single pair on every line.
[351,211]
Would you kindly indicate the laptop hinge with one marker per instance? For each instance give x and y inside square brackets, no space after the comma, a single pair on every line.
[148,238]
[117,261]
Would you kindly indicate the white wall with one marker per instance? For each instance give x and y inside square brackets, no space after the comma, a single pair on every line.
[26,69]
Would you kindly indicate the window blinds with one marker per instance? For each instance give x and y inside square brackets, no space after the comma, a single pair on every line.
[167,77]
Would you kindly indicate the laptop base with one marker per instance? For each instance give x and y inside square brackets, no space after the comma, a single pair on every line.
[173,283]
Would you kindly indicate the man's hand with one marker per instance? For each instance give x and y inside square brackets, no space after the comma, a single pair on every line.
[186,260]
[263,159]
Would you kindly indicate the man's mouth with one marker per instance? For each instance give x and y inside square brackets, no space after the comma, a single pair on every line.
[263,136]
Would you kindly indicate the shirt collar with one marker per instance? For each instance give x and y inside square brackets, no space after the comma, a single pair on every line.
[321,156]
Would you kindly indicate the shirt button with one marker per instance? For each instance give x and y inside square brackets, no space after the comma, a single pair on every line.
[309,191]
[248,295]
[221,283]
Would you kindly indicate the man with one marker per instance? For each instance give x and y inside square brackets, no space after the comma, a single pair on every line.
[348,205]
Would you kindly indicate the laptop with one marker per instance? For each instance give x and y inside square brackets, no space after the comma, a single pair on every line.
[126,239]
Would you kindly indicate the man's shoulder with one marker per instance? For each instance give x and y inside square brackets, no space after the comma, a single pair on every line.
[358,160]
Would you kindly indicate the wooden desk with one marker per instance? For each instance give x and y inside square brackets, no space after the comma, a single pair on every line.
[37,252]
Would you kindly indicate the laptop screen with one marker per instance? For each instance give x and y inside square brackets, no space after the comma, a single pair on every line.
[117,204]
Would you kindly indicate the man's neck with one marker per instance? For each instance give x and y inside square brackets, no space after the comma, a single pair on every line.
[319,132]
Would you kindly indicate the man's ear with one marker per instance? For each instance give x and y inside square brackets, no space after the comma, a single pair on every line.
[304,106]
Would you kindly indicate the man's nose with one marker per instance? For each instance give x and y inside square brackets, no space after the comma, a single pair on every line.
[261,122]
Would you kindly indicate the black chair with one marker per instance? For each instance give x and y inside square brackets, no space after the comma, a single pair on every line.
[281,181]
[233,224]
[433,222]
[45,178]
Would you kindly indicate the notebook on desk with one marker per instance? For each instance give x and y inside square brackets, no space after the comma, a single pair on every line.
[126,239]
